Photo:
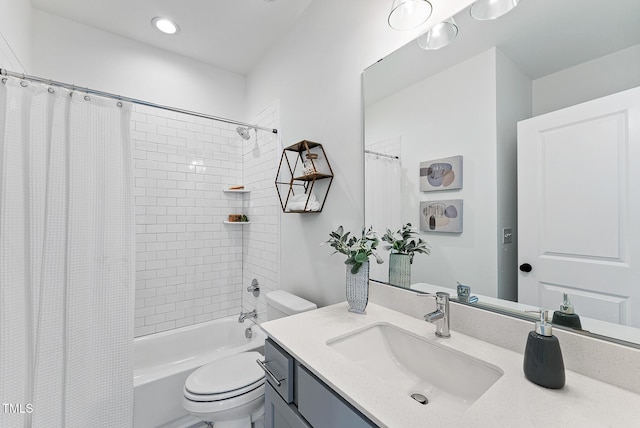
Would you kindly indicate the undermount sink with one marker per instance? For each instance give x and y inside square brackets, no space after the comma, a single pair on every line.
[411,364]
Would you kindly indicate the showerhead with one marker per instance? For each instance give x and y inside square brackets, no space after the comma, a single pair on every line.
[243,132]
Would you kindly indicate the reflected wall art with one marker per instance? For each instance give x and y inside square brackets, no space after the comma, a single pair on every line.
[441,216]
[441,174]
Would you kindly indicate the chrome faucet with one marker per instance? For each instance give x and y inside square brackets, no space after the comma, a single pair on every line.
[244,315]
[441,315]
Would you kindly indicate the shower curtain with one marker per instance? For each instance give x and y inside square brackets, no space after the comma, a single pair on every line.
[67,259]
[383,201]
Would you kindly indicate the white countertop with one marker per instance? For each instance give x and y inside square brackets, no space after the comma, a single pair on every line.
[511,401]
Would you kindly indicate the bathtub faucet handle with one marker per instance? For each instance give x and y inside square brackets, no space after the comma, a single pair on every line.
[254,288]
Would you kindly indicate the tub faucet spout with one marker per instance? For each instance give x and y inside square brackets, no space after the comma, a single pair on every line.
[244,315]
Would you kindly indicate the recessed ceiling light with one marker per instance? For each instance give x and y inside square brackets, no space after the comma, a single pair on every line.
[165,25]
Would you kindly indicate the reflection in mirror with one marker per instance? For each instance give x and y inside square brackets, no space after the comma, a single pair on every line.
[547,65]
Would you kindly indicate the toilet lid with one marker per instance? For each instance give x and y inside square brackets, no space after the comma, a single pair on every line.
[226,374]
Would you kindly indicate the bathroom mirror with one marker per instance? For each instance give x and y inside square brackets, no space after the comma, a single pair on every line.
[464,100]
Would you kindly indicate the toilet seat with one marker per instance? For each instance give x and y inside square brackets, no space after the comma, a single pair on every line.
[226,378]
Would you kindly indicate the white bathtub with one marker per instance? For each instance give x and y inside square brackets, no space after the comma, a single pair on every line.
[163,361]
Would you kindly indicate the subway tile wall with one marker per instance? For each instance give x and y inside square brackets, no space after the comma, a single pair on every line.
[189,264]
[261,238]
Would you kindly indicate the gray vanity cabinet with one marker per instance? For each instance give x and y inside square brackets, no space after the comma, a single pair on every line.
[278,414]
[301,399]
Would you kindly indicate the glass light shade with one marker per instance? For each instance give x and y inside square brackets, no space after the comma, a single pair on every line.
[408,14]
[439,36]
[484,10]
[165,25]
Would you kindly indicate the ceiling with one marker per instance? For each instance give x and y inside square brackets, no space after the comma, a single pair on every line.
[541,37]
[232,34]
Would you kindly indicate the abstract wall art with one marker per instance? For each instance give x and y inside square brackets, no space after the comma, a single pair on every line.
[441,216]
[441,174]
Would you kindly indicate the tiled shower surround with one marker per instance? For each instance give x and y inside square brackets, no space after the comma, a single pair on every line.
[261,239]
[189,263]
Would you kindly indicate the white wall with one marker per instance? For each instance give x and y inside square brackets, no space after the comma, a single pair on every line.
[66,51]
[315,72]
[587,81]
[470,109]
[451,113]
[15,35]
[513,102]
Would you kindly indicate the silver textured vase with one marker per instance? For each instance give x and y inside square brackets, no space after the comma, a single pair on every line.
[400,270]
[358,288]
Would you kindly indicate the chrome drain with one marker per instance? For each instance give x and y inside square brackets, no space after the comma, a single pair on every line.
[420,398]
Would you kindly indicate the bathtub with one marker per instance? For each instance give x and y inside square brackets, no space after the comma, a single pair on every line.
[163,361]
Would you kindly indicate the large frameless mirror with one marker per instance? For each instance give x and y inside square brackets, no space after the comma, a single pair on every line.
[441,152]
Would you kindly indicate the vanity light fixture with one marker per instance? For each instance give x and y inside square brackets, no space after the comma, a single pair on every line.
[409,14]
[439,36]
[165,25]
[483,10]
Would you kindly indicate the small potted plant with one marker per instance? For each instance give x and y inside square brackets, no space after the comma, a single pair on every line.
[358,251]
[404,244]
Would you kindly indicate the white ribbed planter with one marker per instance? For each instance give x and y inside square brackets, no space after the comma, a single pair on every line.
[400,270]
[358,288]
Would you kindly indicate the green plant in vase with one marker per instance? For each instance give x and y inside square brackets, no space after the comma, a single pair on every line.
[404,244]
[406,241]
[357,250]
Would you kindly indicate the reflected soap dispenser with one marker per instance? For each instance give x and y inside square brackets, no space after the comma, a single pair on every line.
[543,362]
[566,316]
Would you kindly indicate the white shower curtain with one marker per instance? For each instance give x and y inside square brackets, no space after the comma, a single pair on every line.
[67,259]
[383,202]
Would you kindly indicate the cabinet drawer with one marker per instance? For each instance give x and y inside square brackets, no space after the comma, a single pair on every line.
[323,408]
[280,364]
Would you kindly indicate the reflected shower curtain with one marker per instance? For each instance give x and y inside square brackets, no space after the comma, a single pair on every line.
[67,261]
[383,202]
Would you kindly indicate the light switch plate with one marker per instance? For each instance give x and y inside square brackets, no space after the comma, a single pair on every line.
[507,235]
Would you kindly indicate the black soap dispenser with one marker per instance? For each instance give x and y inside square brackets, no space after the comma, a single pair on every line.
[566,315]
[543,364]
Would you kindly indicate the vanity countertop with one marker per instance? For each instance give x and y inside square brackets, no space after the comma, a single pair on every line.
[511,401]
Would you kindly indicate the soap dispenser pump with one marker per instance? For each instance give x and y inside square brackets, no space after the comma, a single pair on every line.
[543,364]
[566,316]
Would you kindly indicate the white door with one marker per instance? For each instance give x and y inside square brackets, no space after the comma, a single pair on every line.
[579,208]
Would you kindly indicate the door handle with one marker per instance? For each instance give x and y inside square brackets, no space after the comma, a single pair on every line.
[526,267]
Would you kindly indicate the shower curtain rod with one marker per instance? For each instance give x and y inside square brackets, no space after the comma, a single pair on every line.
[371,152]
[5,72]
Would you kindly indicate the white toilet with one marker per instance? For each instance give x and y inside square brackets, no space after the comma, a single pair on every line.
[230,391]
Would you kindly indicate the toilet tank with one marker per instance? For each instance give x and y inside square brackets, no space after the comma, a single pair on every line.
[281,304]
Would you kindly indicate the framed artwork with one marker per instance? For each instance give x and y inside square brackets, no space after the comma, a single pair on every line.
[441,174]
[441,216]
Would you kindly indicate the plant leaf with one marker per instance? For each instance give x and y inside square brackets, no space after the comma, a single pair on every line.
[356,268]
